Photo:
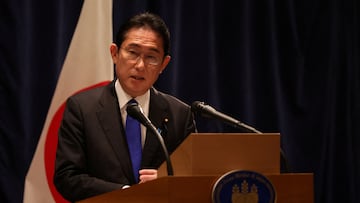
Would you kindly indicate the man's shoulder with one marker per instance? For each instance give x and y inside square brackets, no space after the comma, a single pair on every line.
[91,93]
[169,98]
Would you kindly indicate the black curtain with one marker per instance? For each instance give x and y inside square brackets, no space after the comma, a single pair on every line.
[33,41]
[280,66]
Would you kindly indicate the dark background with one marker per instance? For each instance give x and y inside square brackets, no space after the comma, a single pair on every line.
[278,65]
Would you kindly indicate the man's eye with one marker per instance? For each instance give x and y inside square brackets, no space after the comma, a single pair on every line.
[151,57]
[152,60]
[131,52]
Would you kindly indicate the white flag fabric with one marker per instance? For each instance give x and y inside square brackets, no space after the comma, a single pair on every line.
[87,64]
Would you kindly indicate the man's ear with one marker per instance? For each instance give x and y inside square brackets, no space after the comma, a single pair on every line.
[165,63]
[113,51]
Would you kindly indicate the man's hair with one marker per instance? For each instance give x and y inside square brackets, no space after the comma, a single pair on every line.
[146,19]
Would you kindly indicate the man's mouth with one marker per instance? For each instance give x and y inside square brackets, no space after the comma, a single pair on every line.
[137,77]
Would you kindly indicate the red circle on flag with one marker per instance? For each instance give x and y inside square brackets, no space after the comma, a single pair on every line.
[51,146]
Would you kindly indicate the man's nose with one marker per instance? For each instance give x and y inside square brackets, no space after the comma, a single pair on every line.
[140,62]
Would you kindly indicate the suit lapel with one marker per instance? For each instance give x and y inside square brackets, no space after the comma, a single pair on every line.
[158,111]
[111,122]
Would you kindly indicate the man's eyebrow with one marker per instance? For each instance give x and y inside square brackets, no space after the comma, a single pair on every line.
[155,50]
[134,45]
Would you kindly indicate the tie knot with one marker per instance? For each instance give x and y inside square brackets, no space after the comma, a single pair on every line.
[132,101]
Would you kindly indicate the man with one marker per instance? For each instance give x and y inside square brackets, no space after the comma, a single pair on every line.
[93,156]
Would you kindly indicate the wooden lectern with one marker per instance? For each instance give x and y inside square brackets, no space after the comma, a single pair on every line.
[203,158]
[218,153]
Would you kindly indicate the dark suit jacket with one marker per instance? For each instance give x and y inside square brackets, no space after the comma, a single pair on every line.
[92,155]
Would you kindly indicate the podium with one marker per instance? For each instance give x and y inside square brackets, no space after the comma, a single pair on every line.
[218,153]
[203,158]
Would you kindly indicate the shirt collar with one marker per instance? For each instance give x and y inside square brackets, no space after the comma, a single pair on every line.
[123,97]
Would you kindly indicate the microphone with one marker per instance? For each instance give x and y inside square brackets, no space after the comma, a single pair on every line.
[209,112]
[135,111]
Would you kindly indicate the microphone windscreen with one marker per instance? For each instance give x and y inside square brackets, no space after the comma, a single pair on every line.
[135,111]
[196,106]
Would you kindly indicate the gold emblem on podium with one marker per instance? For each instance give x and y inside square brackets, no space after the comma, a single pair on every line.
[244,195]
[242,186]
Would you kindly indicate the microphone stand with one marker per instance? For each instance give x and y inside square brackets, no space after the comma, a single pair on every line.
[170,170]
[135,111]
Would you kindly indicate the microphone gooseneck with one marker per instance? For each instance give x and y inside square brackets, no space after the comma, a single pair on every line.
[135,111]
[209,112]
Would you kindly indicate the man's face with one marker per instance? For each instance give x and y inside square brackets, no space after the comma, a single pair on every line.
[139,60]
